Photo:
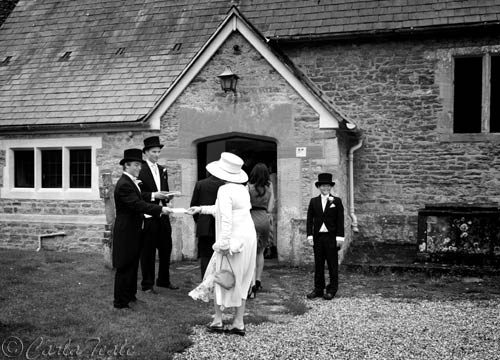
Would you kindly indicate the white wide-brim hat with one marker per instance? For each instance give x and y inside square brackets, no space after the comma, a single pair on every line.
[228,168]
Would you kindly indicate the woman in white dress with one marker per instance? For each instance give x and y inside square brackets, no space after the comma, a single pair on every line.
[235,237]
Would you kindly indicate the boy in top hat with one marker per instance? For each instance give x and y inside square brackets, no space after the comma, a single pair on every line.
[325,228]
[127,230]
[157,230]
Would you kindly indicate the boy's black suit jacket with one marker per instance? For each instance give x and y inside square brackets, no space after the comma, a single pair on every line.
[332,217]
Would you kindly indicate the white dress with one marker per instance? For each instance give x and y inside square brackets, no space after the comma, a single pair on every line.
[234,231]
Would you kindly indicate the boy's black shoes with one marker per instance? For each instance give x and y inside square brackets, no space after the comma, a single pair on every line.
[314,294]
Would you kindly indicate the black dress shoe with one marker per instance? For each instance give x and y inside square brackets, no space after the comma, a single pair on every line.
[168,286]
[121,307]
[236,331]
[216,329]
[314,294]
[328,296]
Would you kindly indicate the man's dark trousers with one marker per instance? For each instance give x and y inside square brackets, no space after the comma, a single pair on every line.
[205,244]
[325,249]
[126,283]
[157,234]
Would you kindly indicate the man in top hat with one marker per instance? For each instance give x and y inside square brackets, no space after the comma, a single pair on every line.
[325,228]
[127,231]
[157,230]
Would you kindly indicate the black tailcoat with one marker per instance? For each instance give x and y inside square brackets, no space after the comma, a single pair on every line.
[127,238]
[129,219]
[148,184]
[157,232]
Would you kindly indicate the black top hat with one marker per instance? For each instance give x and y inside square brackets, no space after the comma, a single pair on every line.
[152,141]
[131,155]
[324,178]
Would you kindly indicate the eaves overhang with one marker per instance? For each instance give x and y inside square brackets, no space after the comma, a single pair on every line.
[397,33]
[139,125]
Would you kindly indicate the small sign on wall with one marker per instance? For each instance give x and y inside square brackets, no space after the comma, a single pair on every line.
[300,151]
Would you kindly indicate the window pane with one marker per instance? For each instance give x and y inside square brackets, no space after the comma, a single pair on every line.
[79,168]
[24,168]
[467,95]
[495,95]
[51,168]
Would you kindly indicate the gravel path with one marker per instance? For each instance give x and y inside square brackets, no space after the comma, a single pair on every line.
[370,327]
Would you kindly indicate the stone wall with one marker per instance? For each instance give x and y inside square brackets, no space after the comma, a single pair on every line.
[394,91]
[265,107]
[76,237]
[50,207]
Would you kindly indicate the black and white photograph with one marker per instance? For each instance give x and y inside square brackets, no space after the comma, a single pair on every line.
[250,179]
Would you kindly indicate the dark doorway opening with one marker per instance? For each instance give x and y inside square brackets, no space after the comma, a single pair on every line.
[252,150]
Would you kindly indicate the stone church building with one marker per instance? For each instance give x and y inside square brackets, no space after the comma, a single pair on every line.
[399,99]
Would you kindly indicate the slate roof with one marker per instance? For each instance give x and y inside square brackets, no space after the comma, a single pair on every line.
[308,19]
[123,53]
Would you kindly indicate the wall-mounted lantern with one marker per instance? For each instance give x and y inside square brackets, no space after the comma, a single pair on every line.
[228,80]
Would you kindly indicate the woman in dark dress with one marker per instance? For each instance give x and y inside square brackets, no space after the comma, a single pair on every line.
[262,200]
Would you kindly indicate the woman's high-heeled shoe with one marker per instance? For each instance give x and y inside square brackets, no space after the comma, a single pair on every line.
[236,331]
[252,293]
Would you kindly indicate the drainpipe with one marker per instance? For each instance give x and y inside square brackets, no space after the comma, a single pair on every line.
[354,223]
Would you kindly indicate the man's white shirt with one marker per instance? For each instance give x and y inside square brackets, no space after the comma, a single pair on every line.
[134,179]
[156,176]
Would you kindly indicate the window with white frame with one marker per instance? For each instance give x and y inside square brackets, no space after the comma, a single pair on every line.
[51,168]
[476,90]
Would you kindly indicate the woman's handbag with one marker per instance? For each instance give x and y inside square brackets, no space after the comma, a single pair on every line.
[225,277]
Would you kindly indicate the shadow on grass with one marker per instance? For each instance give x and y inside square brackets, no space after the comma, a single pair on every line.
[295,305]
[20,327]
[401,286]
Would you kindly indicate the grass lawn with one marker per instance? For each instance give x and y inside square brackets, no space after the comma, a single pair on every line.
[60,304]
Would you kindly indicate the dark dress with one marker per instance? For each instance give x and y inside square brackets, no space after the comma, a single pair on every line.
[260,215]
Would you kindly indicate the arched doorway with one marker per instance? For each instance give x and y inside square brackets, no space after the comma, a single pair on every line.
[252,149]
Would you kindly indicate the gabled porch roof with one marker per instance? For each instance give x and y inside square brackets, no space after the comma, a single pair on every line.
[329,116]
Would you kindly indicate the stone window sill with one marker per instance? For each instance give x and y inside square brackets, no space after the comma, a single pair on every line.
[493,137]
